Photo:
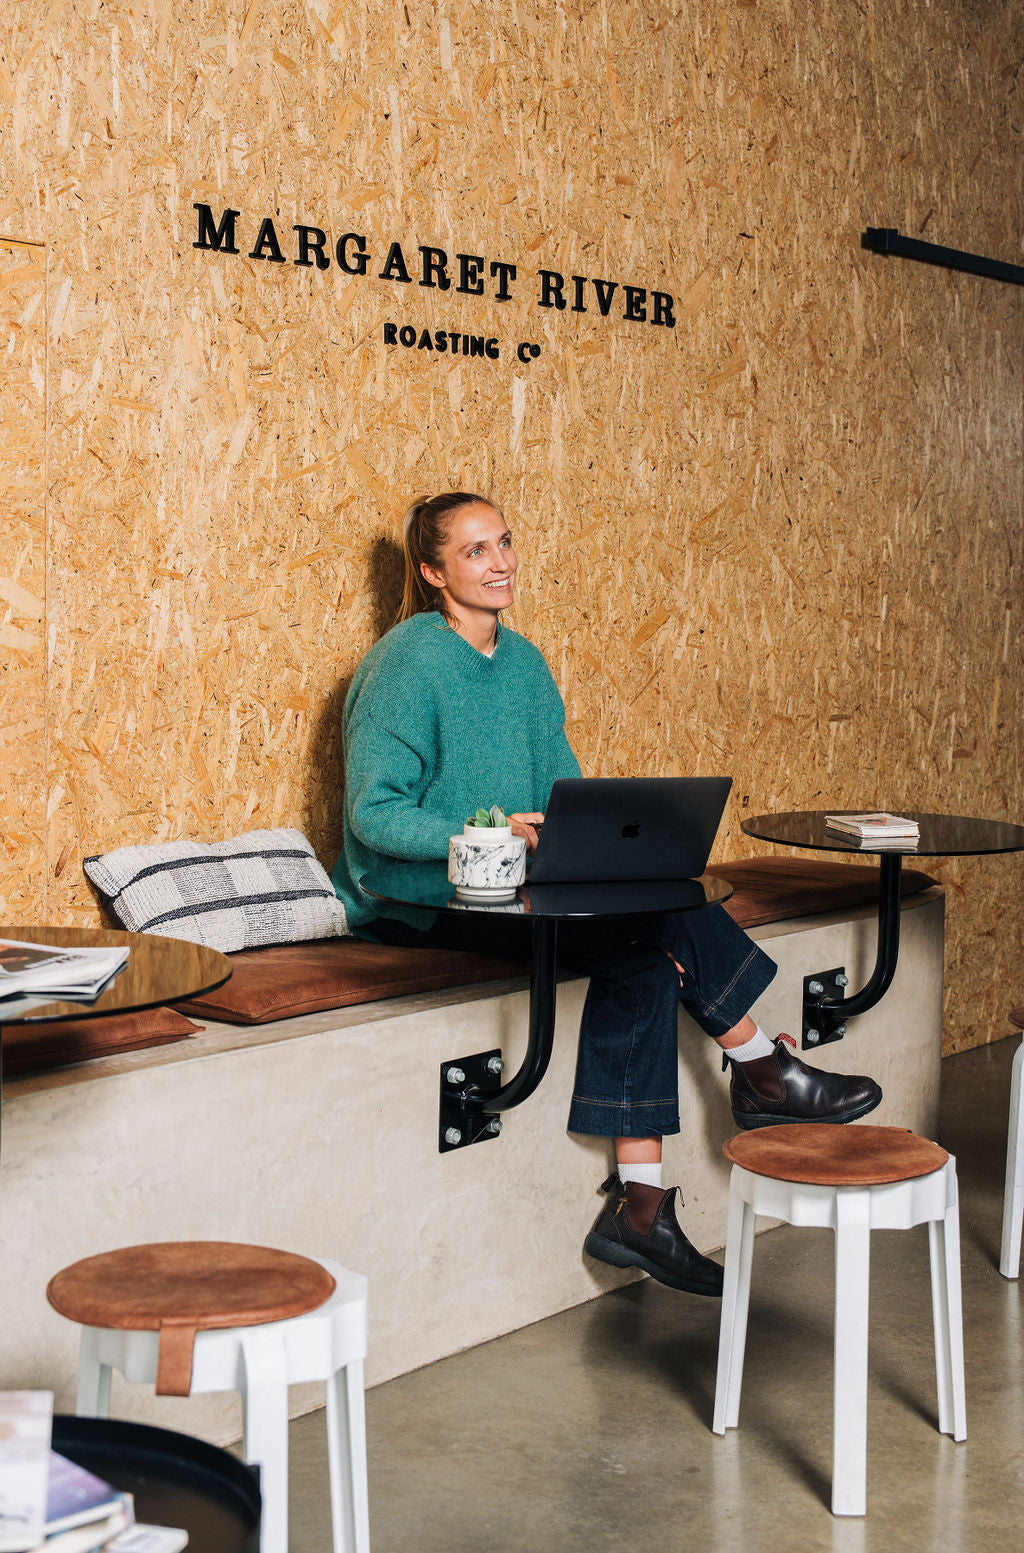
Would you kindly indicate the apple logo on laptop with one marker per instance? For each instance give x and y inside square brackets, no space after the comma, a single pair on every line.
[631,831]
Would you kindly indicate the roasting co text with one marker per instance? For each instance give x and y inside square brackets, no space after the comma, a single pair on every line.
[467,274]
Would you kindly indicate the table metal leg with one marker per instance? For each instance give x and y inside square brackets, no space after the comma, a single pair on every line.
[471,1096]
[828,1015]
[543,955]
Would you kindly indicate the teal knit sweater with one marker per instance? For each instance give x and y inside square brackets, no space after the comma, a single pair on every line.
[433,730]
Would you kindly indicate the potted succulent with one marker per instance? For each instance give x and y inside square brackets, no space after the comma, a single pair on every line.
[487,862]
[491,820]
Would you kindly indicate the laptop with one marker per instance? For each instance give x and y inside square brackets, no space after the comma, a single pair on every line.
[628,828]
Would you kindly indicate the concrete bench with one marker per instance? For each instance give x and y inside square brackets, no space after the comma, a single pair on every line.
[318,1133]
[282,982]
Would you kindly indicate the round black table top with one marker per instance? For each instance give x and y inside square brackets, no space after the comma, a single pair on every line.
[175,1480]
[158,970]
[941,835]
[426,885]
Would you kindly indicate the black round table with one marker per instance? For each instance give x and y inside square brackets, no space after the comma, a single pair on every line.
[175,1480]
[940,835]
[157,971]
[470,1103]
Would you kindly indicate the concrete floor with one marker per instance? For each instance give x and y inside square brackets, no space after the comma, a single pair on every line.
[590,1430]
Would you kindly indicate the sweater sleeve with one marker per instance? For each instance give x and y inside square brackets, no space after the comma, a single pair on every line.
[384,779]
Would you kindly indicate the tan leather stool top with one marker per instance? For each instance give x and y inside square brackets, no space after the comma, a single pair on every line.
[178,1287]
[833,1154]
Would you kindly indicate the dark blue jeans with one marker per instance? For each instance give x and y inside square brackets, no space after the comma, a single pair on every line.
[626,1070]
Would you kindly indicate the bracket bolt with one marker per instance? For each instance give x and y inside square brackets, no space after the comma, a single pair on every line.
[454,1076]
[495,1065]
[815,988]
[453,1137]
[812,1037]
[494,1125]
[842,981]
[840,1030]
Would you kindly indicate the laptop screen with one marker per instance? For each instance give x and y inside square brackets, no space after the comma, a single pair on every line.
[606,828]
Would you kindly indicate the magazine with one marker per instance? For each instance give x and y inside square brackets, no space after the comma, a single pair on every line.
[24,1461]
[149,1539]
[876,827]
[93,1538]
[51,1505]
[74,1497]
[47,968]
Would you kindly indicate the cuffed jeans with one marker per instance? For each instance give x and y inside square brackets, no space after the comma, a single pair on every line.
[627,1066]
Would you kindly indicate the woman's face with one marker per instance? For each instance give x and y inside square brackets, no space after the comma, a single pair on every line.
[478,563]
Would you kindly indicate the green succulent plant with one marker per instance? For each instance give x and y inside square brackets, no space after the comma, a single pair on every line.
[492,818]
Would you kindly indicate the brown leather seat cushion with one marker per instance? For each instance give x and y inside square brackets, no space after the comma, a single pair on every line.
[178,1287]
[31,1048]
[1016,1017]
[772,889]
[827,1154]
[295,979]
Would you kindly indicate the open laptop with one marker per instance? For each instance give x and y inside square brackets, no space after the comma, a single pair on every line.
[629,828]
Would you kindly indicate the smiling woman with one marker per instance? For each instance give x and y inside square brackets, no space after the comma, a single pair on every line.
[455,544]
[451,710]
[474,572]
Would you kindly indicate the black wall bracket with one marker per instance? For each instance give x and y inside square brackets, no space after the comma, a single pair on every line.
[888,239]
[826,1011]
[466,1083]
[471,1105]
[822,1024]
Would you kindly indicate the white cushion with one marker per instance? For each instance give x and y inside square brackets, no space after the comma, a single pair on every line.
[264,887]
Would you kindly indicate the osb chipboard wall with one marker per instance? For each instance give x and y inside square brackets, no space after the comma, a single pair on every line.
[781,539]
[22,574]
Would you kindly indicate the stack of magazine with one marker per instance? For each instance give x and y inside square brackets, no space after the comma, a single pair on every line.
[51,1505]
[875,830]
[46,970]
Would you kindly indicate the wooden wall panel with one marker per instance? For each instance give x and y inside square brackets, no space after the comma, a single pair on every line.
[781,539]
[22,580]
[116,563]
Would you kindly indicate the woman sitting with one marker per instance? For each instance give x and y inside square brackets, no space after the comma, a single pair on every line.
[450,710]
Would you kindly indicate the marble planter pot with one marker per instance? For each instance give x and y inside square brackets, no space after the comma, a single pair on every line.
[486,863]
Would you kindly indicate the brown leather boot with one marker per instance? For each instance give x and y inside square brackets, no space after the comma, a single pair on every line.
[637,1227]
[781,1088]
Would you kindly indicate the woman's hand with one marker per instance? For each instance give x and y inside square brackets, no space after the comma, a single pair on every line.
[675,962]
[524,825]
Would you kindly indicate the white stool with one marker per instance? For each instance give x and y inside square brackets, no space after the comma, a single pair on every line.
[1013,1194]
[851,1179]
[261,1361]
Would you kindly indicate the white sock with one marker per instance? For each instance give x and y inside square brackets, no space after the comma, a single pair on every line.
[647,1175]
[758,1046]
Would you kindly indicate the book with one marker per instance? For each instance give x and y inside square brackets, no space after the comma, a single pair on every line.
[57,972]
[25,1421]
[149,1539]
[877,827]
[74,1497]
[91,1538]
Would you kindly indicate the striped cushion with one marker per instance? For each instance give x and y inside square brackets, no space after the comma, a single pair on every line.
[265,887]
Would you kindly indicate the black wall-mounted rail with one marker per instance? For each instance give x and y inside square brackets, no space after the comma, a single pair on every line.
[541,1038]
[469,1110]
[826,1016]
[887,239]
